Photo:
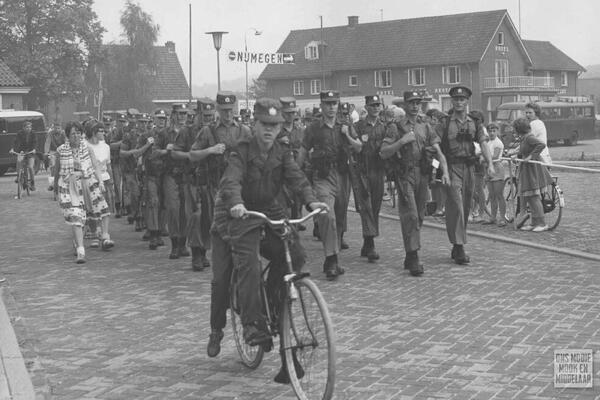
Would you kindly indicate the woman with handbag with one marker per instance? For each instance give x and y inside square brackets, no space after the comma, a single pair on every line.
[79,186]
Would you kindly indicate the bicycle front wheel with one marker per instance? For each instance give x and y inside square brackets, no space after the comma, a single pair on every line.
[553,217]
[19,183]
[251,356]
[309,343]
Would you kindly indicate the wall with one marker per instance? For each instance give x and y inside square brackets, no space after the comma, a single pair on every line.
[12,100]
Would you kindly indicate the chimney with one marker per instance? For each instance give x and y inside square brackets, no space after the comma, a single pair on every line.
[170,46]
[352,21]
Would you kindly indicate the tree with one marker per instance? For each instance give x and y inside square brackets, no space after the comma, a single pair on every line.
[258,89]
[48,44]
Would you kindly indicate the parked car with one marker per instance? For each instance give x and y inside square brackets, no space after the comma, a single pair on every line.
[11,122]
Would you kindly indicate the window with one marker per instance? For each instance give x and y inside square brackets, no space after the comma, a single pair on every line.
[501,72]
[500,38]
[311,51]
[353,80]
[315,86]
[383,78]
[416,77]
[451,74]
[564,79]
[298,88]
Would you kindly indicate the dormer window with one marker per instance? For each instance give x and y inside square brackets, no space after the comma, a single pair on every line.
[311,51]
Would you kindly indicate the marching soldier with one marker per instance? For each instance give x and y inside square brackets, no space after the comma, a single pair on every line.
[154,169]
[128,157]
[329,140]
[211,150]
[407,145]
[114,139]
[458,136]
[198,230]
[371,182]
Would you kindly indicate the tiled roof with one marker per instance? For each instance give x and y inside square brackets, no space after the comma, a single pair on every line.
[170,83]
[548,57]
[435,40]
[8,77]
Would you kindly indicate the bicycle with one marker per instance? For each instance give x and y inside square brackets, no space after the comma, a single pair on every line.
[553,200]
[304,326]
[23,172]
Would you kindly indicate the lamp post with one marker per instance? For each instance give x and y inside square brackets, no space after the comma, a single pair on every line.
[256,33]
[217,39]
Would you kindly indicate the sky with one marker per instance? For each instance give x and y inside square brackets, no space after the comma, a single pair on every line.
[572,26]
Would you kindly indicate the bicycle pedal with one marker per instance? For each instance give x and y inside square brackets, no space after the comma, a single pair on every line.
[267,346]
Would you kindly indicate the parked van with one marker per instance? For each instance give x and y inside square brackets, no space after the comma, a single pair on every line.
[11,122]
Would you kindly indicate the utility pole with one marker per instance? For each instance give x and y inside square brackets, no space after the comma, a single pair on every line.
[190,51]
[322,56]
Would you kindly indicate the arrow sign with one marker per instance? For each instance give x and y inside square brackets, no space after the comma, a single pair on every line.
[261,58]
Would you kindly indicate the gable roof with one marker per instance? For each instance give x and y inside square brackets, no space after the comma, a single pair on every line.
[405,42]
[545,55]
[170,82]
[8,77]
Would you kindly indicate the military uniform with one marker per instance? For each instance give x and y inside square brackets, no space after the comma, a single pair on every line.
[253,179]
[412,179]
[114,139]
[198,228]
[329,163]
[458,136]
[129,162]
[210,167]
[371,180]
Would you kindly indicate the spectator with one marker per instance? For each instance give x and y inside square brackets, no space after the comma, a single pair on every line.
[495,181]
[538,128]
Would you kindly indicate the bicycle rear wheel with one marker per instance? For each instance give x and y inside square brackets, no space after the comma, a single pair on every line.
[308,336]
[553,217]
[251,356]
[511,197]
[19,183]
[26,184]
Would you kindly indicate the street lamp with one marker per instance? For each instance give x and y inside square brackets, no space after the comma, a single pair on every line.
[256,33]
[217,39]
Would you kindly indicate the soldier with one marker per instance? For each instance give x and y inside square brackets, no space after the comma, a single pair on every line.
[211,151]
[291,136]
[371,179]
[155,164]
[329,142]
[458,136]
[407,145]
[257,170]
[144,135]
[114,139]
[176,180]
[198,229]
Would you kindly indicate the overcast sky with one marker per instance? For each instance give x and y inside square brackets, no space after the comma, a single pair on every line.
[573,26]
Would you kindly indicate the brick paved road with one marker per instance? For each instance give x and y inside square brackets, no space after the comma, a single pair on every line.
[131,324]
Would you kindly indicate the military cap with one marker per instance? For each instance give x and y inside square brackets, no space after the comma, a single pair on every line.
[411,95]
[268,110]
[225,100]
[460,91]
[122,118]
[317,112]
[344,108]
[106,119]
[372,99]
[144,117]
[179,108]
[288,104]
[206,107]
[330,96]
[160,113]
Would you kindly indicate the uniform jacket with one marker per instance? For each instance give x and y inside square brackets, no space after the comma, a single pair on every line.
[371,134]
[410,154]
[328,143]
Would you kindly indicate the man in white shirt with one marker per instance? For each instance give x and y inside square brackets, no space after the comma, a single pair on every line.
[538,128]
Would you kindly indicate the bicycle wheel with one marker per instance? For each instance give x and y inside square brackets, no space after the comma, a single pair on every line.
[308,339]
[392,193]
[510,195]
[19,183]
[251,356]
[553,217]
[26,180]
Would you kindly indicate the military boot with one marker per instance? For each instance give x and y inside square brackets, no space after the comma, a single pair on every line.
[460,257]
[153,244]
[174,249]
[199,261]
[183,251]
[412,261]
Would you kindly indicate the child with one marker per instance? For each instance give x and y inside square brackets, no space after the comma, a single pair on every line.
[533,178]
[495,182]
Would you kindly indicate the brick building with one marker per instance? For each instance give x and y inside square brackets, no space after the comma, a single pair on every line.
[12,89]
[482,50]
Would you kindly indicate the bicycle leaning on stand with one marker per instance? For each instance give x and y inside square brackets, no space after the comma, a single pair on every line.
[553,200]
[303,323]
[23,178]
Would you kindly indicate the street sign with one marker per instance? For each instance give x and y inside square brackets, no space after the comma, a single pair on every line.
[261,58]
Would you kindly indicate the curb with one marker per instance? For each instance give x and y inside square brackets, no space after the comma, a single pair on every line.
[500,238]
[15,382]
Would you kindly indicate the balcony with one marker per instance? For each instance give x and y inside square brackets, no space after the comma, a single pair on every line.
[519,83]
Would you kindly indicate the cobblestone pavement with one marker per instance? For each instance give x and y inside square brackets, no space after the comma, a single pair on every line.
[131,324]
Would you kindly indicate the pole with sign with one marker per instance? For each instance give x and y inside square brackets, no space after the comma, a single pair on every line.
[262,58]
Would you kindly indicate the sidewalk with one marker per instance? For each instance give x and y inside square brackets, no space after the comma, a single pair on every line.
[15,383]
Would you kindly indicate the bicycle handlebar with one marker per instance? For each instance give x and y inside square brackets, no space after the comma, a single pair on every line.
[281,222]
[21,153]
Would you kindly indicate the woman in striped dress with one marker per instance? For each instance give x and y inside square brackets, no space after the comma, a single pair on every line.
[80,186]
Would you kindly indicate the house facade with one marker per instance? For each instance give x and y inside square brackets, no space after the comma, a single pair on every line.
[12,89]
[480,50]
